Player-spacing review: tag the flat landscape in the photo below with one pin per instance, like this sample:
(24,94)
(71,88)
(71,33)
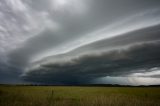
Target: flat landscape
(78,96)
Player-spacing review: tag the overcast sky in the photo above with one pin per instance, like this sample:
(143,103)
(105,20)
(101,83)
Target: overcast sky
(80,41)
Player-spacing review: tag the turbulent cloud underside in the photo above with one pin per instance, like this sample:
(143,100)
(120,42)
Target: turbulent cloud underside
(80,41)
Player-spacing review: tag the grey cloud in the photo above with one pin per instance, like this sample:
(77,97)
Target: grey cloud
(112,63)
(38,44)
(108,57)
(32,29)
(138,36)
(9,74)
(72,27)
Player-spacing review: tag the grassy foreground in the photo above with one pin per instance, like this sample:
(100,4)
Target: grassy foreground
(78,96)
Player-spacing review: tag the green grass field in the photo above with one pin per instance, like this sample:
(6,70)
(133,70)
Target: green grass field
(78,96)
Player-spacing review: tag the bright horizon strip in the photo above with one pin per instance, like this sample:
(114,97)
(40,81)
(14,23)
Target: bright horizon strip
(127,80)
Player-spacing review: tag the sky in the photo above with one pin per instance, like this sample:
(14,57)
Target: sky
(80,42)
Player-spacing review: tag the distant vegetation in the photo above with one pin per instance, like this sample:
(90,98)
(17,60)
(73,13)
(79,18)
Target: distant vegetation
(78,96)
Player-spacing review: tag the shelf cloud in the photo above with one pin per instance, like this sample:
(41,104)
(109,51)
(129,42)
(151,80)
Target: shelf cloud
(119,60)
(74,42)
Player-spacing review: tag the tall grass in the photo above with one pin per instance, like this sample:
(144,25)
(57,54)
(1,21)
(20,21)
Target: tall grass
(78,96)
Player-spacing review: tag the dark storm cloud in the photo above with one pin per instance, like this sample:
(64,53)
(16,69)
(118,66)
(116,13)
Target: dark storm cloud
(73,26)
(112,63)
(118,56)
(66,29)
(9,74)
(38,44)
(138,36)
